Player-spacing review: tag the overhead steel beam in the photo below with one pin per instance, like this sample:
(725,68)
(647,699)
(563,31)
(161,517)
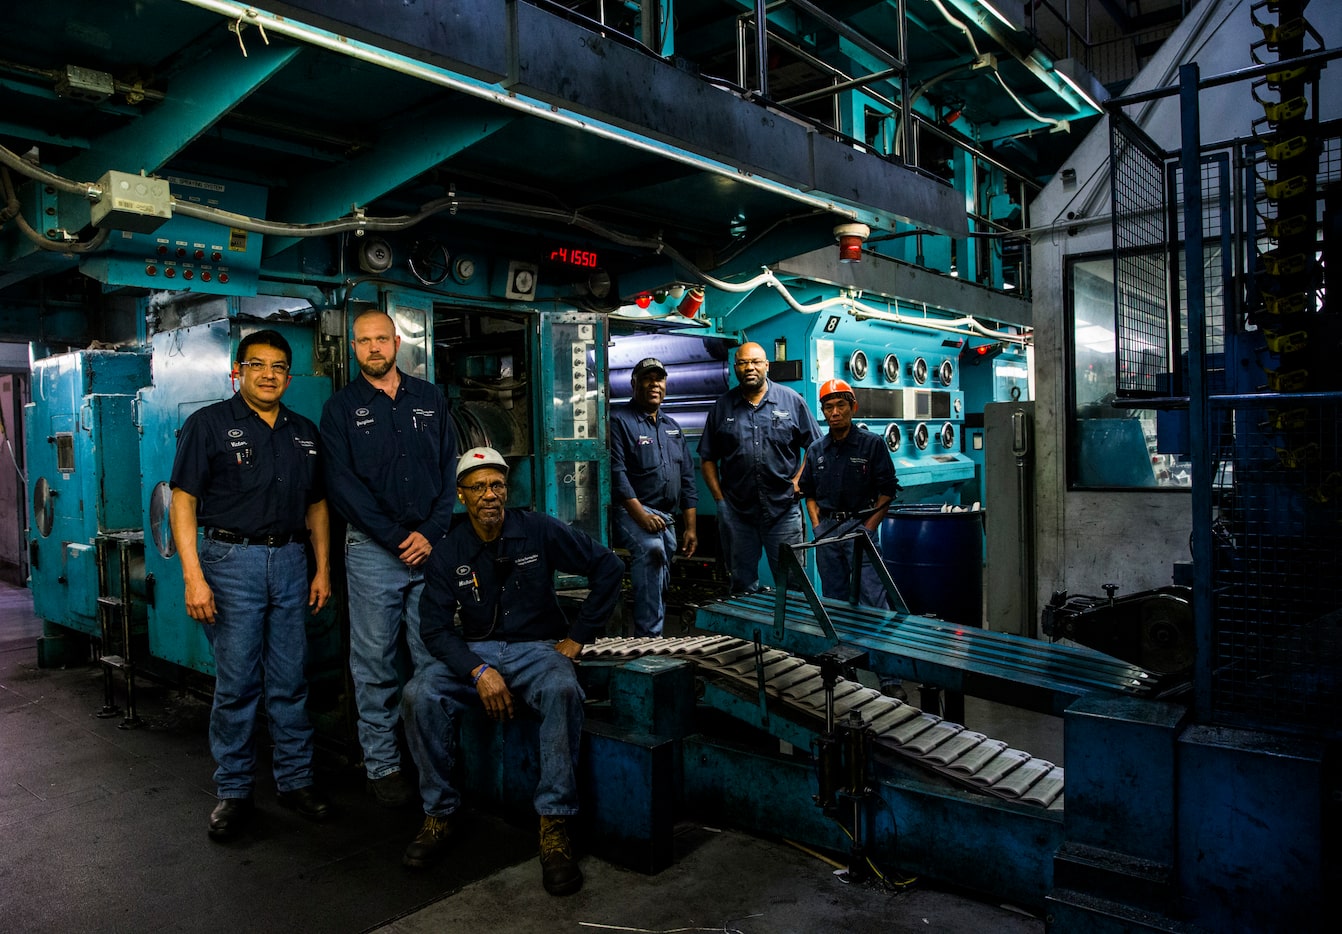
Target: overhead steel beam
(408,149)
(196,99)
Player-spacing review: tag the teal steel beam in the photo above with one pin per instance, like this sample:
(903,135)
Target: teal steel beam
(195,101)
(409,149)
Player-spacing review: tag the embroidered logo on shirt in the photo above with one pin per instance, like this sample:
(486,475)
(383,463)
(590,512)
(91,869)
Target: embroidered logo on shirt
(463,569)
(527,559)
(672,432)
(236,433)
(644,439)
(781,415)
(424,413)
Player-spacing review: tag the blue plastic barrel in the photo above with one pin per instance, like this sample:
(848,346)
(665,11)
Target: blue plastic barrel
(936,560)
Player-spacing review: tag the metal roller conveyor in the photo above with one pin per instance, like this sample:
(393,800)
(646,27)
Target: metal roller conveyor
(970,759)
(998,666)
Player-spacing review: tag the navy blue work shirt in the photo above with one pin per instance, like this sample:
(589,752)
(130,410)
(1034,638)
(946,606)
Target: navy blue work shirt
(504,590)
(391,464)
(650,461)
(247,477)
(847,476)
(757,449)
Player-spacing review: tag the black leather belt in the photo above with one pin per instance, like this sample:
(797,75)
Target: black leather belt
(270,541)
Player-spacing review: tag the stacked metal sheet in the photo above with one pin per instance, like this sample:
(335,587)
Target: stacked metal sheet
(967,757)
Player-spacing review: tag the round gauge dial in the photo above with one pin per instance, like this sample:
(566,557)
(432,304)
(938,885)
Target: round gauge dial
(918,371)
(920,436)
(947,435)
(857,364)
(890,368)
(946,372)
(893,437)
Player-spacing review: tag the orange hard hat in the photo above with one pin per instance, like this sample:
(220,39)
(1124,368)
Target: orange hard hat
(833,387)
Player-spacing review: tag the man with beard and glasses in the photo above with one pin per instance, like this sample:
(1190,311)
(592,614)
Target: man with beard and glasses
(752,449)
(390,461)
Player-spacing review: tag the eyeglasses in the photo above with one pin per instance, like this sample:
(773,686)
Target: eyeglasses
(754,363)
(498,488)
(258,366)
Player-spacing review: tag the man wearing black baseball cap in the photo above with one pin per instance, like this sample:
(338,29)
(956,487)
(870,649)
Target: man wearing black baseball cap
(652,476)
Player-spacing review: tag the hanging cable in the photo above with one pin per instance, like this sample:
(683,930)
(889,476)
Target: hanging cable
(54,246)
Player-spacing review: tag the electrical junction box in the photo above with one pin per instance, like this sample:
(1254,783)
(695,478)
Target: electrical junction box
(185,253)
(85,84)
(139,203)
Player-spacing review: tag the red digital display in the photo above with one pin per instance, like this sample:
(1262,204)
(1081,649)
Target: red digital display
(574,256)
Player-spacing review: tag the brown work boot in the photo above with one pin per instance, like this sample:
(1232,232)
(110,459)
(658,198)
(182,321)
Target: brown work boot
(559,868)
(432,840)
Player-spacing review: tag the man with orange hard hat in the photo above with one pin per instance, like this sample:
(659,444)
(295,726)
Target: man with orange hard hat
(849,482)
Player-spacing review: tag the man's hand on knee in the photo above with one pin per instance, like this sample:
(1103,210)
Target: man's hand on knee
(494,694)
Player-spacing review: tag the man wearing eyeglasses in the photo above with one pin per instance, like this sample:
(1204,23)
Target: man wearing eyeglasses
(514,648)
(248,469)
(751,450)
(390,456)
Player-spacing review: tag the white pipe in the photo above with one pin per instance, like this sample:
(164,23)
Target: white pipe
(242,14)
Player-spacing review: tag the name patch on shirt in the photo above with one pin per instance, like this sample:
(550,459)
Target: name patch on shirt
(672,432)
(424,413)
(527,559)
(781,415)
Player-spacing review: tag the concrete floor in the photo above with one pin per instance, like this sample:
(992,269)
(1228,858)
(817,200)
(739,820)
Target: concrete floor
(104,830)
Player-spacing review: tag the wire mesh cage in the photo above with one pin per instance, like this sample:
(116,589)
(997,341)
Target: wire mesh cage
(1277,591)
(1141,266)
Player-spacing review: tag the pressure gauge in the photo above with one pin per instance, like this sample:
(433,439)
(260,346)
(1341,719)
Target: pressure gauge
(920,436)
(890,368)
(946,372)
(463,270)
(893,437)
(918,371)
(947,435)
(857,365)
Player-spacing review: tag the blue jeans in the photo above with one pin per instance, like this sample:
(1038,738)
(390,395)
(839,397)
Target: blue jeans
(649,568)
(260,644)
(834,564)
(383,609)
(744,536)
(539,677)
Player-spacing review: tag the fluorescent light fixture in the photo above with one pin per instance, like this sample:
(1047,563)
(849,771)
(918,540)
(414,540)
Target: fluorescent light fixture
(1076,77)
(1095,337)
(1003,18)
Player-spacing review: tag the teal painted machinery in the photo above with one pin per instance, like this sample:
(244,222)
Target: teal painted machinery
(191,368)
(83,472)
